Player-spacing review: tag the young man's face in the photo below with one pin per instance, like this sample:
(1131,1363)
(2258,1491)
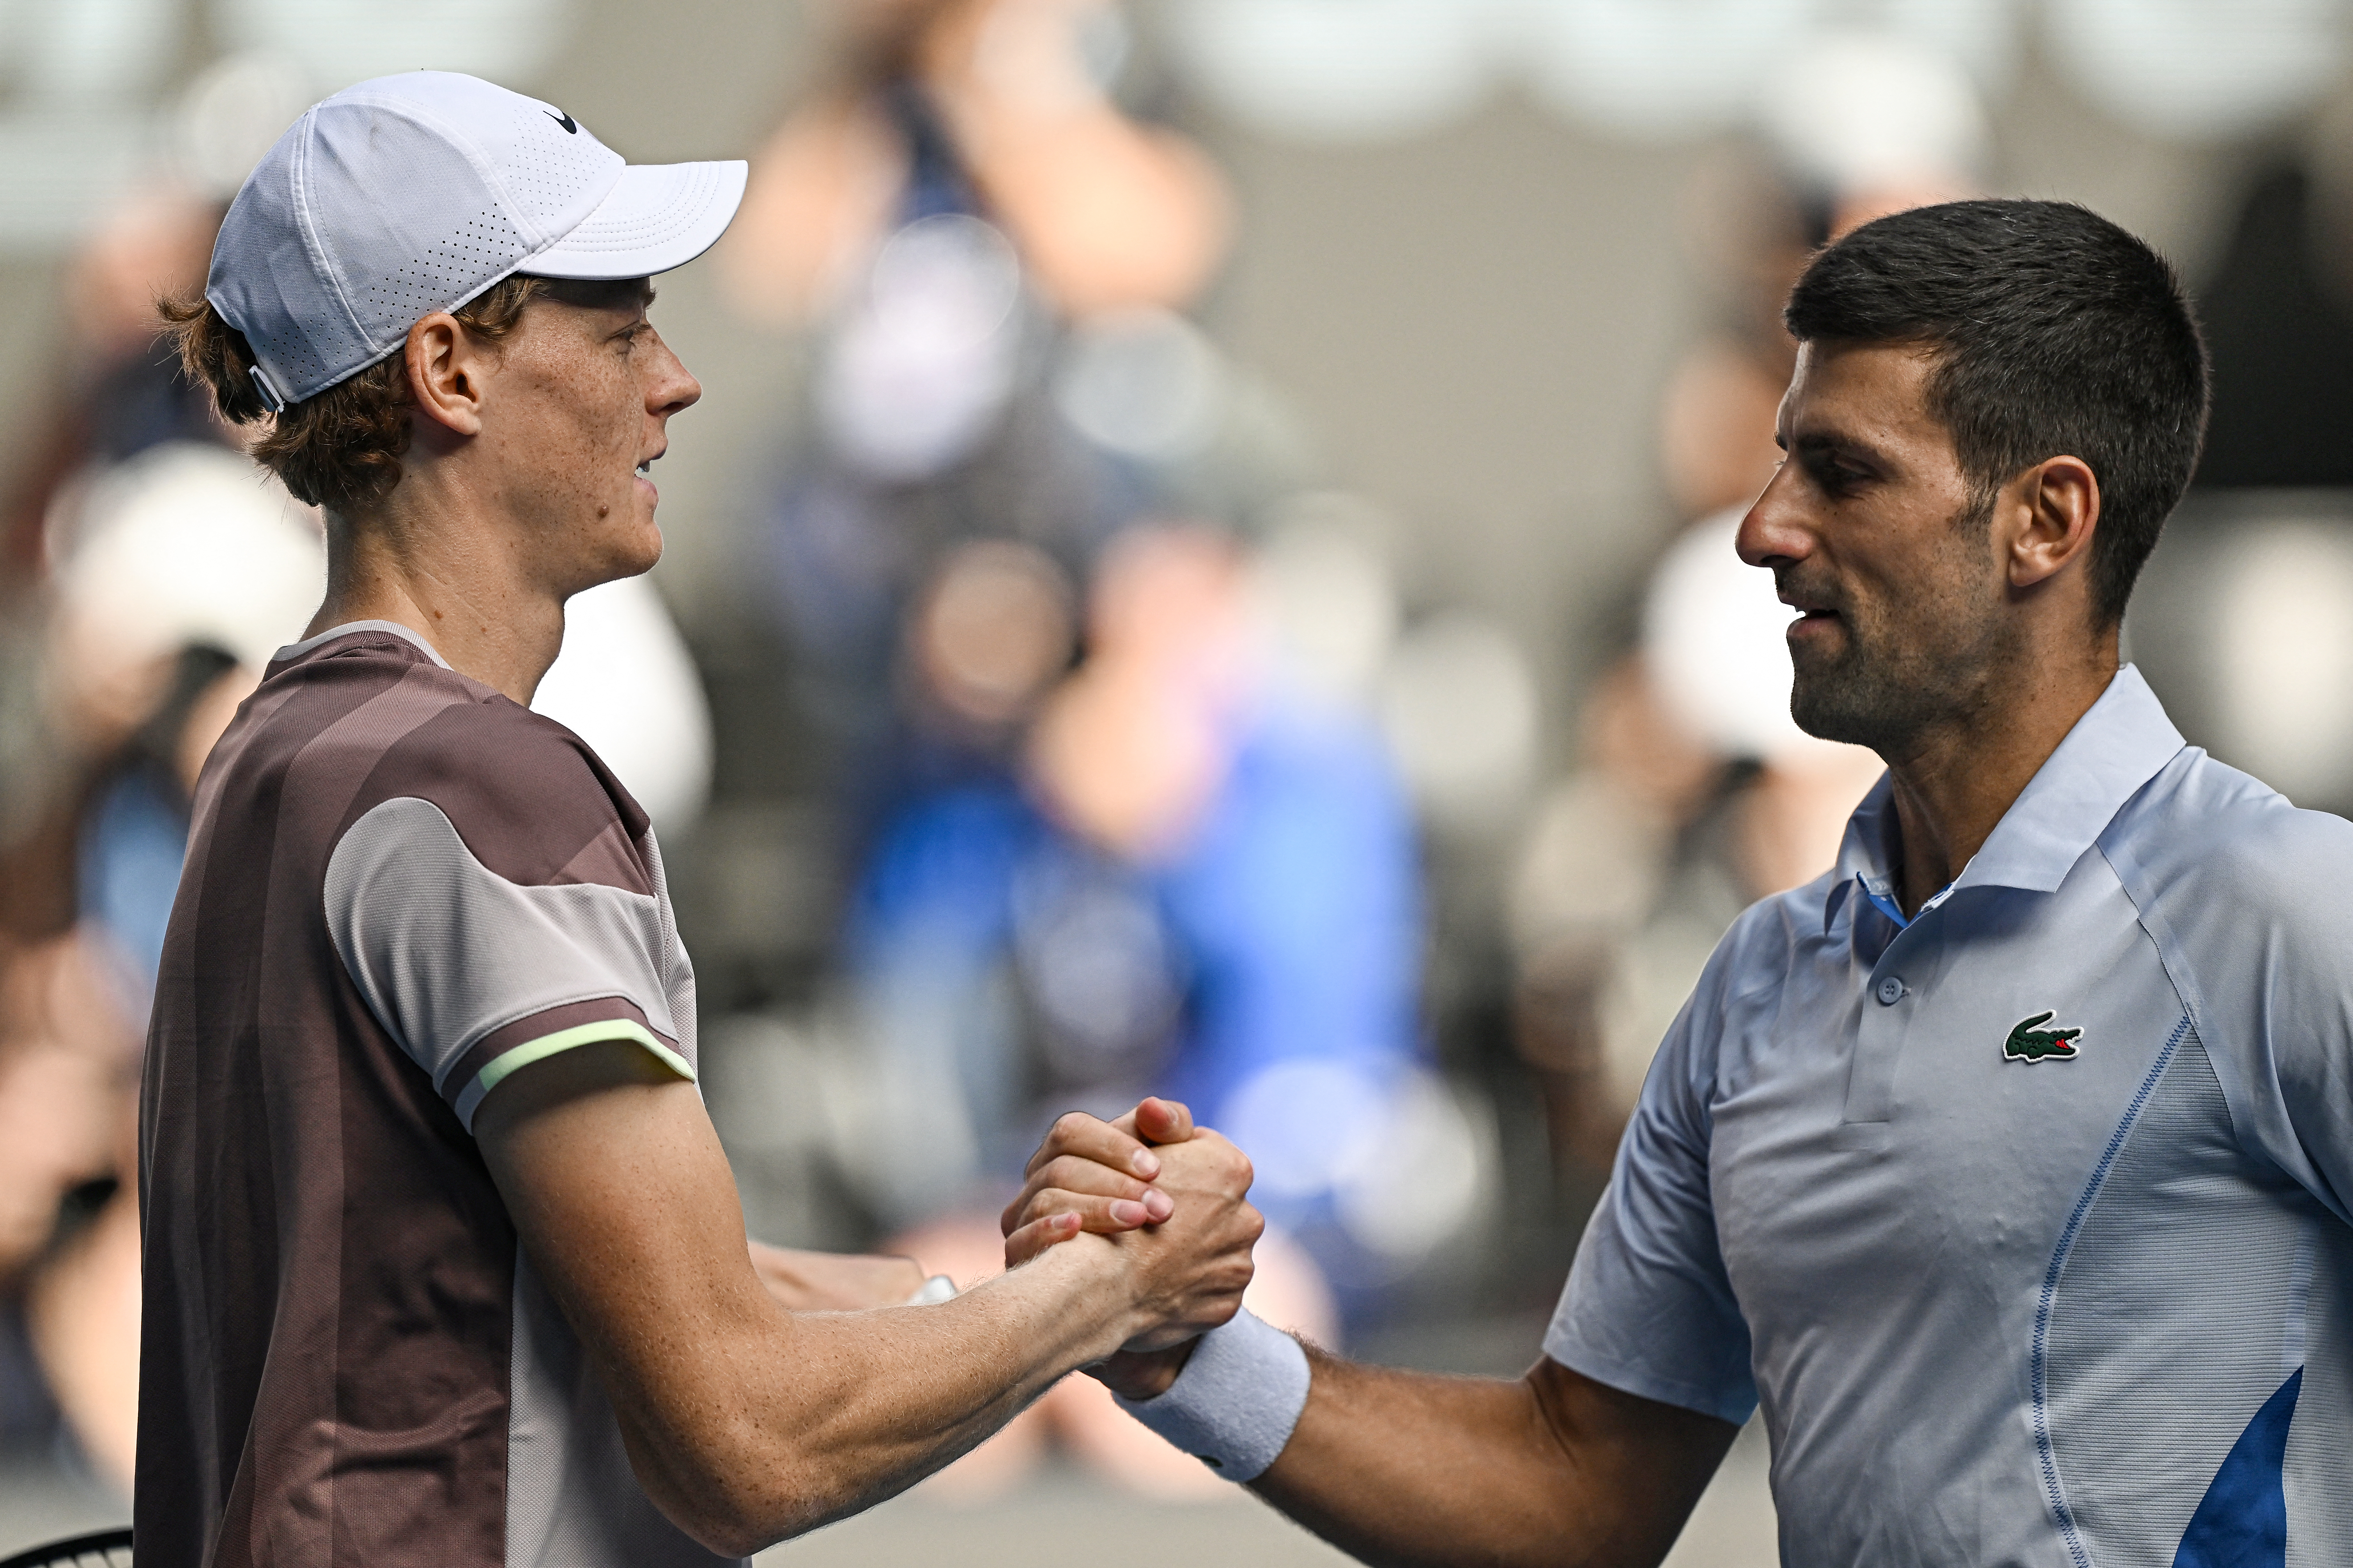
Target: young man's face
(1873,534)
(580,403)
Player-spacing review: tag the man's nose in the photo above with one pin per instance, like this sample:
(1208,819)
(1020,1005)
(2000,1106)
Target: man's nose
(672,386)
(1771,530)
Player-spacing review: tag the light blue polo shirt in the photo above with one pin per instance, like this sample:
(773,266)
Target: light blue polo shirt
(2026,1223)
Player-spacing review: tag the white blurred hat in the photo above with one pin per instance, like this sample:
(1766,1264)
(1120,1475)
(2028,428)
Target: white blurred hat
(1715,636)
(413,193)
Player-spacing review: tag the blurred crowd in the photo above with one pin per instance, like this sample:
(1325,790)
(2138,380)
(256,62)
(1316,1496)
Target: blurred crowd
(1097,731)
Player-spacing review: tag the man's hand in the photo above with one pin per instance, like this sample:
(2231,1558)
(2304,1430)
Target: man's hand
(1192,1267)
(834,1281)
(1106,1178)
(1095,1175)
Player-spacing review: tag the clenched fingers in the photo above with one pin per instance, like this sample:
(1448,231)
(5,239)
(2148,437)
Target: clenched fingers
(1096,1212)
(1075,1134)
(1116,1202)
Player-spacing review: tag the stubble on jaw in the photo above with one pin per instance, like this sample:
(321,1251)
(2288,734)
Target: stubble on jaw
(1913,664)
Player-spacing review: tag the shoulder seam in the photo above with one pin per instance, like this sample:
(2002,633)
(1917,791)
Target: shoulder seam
(2176,964)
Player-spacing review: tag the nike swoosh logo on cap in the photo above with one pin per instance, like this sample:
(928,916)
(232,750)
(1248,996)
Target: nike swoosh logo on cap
(562,119)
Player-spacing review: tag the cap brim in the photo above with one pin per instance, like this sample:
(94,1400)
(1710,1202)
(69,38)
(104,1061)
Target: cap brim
(658,216)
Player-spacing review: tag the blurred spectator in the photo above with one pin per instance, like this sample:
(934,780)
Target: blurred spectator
(1198,879)
(1854,124)
(69,1081)
(1163,870)
(116,391)
(987,249)
(72,1011)
(69,1060)
(105,600)
(1199,883)
(2278,316)
(1696,796)
(135,836)
(973,106)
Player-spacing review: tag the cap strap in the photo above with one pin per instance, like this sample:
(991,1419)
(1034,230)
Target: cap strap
(269,392)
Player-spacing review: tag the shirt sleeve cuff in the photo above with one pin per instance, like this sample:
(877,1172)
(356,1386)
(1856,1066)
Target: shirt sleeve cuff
(1234,1405)
(498,1054)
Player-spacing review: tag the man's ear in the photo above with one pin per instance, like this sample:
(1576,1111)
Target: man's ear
(2057,508)
(446,370)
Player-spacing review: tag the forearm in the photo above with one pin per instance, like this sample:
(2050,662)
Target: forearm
(746,1421)
(1399,1468)
(791,1420)
(1407,1468)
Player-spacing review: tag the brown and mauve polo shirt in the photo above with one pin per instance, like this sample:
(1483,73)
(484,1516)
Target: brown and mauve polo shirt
(401,887)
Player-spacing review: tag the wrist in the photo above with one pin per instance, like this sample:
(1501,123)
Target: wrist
(1236,1401)
(1088,1271)
(1139,1375)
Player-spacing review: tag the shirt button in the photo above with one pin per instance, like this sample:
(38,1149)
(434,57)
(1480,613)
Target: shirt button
(1891,990)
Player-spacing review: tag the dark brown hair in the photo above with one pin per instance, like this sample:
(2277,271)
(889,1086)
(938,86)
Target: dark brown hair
(340,448)
(2054,331)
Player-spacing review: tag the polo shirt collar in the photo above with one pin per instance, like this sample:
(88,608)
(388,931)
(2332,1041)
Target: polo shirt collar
(2121,742)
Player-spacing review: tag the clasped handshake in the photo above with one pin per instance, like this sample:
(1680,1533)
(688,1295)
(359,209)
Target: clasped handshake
(1166,1203)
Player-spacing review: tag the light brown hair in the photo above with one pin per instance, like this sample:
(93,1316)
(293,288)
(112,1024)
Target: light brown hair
(340,448)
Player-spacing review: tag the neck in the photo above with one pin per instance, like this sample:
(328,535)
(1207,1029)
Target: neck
(432,559)
(1954,783)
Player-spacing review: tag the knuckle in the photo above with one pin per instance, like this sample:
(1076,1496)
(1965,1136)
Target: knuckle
(1068,1170)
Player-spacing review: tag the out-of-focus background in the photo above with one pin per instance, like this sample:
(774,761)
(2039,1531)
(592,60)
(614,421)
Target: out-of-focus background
(1203,567)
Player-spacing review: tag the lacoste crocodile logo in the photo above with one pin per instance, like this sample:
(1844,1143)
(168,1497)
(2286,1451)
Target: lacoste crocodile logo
(2030,1042)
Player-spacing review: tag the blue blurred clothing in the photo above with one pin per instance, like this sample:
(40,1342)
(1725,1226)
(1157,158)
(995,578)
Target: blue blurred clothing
(131,848)
(1286,929)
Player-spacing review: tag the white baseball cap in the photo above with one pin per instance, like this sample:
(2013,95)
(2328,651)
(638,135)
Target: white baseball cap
(413,193)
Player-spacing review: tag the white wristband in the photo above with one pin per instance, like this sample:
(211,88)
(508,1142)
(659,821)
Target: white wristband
(1235,1403)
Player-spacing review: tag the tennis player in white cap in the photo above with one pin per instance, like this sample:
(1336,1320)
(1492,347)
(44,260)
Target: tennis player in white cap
(444,1265)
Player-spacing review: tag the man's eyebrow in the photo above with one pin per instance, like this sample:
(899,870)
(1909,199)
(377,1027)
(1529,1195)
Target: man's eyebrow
(1833,441)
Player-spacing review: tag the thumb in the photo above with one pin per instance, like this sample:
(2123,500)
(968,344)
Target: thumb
(1163,1121)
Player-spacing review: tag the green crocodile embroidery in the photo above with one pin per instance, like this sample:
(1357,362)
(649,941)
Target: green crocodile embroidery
(2030,1042)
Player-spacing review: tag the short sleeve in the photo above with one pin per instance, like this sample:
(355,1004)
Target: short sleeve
(475,975)
(2256,926)
(1648,1308)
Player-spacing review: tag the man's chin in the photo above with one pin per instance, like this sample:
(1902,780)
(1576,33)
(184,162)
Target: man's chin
(633,561)
(642,553)
(1881,716)
(1824,709)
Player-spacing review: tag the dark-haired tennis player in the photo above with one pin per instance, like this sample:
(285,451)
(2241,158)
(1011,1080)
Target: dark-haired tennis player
(2008,1167)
